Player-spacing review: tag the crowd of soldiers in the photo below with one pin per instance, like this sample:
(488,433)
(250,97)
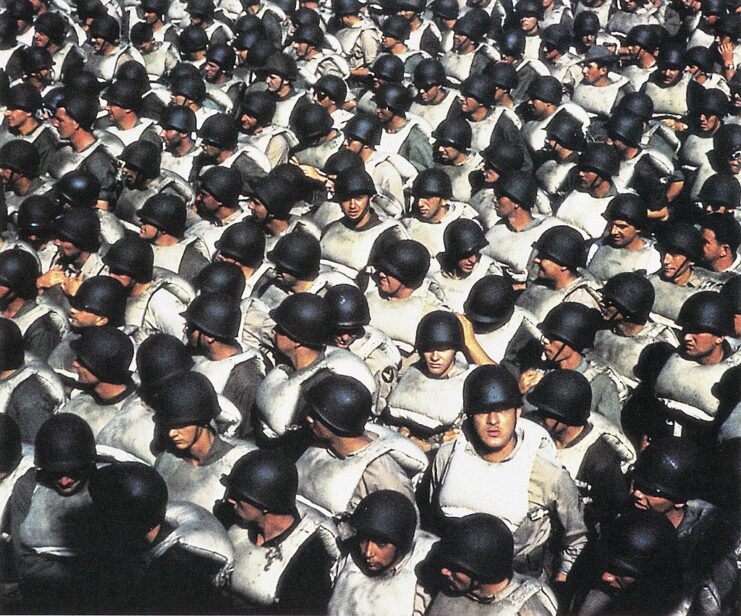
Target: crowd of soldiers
(365,308)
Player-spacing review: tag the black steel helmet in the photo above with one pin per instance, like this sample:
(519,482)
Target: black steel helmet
(192,39)
(78,187)
(572,323)
(585,23)
(455,132)
(158,359)
(221,277)
(520,186)
(53,26)
(298,254)
(490,301)
(445,9)
(556,36)
(502,75)
(512,42)
(638,103)
(479,86)
(395,96)
(429,72)
(64,443)
(144,157)
(244,242)
(223,183)
(11,345)
(129,498)
(473,24)
(20,156)
(103,296)
(340,402)
(352,183)
(563,245)
(503,157)
(490,388)
(710,102)
(348,307)
(628,207)
(186,399)
(564,395)
(732,292)
(342,160)
(223,56)
(707,311)
(24,97)
(310,123)
(155,6)
(305,318)
(125,94)
(259,105)
(640,544)
(463,238)
(682,239)
(701,57)
(389,68)
(396,27)
(220,130)
(277,194)
(105,27)
(80,227)
(266,479)
(201,8)
(480,545)
(106,352)
(386,516)
(626,127)
(365,128)
(432,182)
(37,215)
(11,448)
(547,89)
(439,330)
(600,158)
(343,8)
(281,64)
(645,36)
(566,130)
(632,294)
(214,314)
(727,141)
(191,88)
(131,256)
(18,272)
(166,212)
(671,56)
(332,86)
(721,190)
(406,260)
(669,467)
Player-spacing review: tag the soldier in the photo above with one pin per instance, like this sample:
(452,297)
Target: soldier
(190,91)
(317,137)
(684,383)
(594,188)
(424,34)
(222,87)
(19,173)
(680,246)
(35,226)
(351,330)
(379,572)
(402,294)
(212,326)
(637,572)
(563,142)
(358,36)
(160,56)
(625,248)
(154,303)
(103,356)
(511,44)
(202,15)
(280,74)
(427,402)
(722,158)
(470,54)
(473,562)
(492,440)
(594,451)
(314,59)
(511,239)
(434,99)
(495,330)
(707,109)
(347,461)
(330,92)
(178,129)
(50,33)
(402,134)
(719,194)
(722,235)
(147,543)
(395,31)
(31,392)
(627,299)
(555,40)
(51,563)
(104,35)
(642,44)
(243,244)
(257,128)
(665,479)
(667,86)
(73,120)
(545,95)
(195,455)
(124,103)
(454,155)
(23,105)
(360,226)
(301,333)
(560,258)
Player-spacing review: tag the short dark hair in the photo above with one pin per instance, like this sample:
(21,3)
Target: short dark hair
(726,228)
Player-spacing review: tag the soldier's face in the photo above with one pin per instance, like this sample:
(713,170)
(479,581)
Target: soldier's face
(460,42)
(622,233)
(244,510)
(259,211)
(457,580)
(274,82)
(322,433)
(439,363)
(16,117)
(69,482)
(171,138)
(466,264)
(504,206)
(469,104)
(711,249)
(211,71)
(150,17)
(697,345)
(40,40)
(496,429)
(430,208)
(708,123)
(345,338)
(547,269)
(554,426)
(65,124)
(646,501)
(378,556)
(528,23)
(670,76)
(355,208)
(429,93)
(84,375)
(588,179)
(673,265)
(556,350)
(592,73)
(80,319)
(97,43)
(387,284)
(67,249)
(353,145)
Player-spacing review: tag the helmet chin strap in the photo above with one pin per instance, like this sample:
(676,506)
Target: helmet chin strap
(680,270)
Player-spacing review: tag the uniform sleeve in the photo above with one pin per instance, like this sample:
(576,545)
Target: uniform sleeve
(384,473)
(31,404)
(370,43)
(41,338)
(192,263)
(542,603)
(103,168)
(241,389)
(306,585)
(163,314)
(417,150)
(606,398)
(570,513)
